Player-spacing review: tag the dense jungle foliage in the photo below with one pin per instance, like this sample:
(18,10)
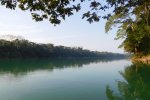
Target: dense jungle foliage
(132,17)
(23,48)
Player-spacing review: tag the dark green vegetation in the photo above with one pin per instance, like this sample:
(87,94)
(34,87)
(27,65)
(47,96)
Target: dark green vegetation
(134,28)
(131,16)
(25,49)
(136,85)
(56,10)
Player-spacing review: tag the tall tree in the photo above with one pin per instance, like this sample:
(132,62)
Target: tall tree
(131,16)
(134,28)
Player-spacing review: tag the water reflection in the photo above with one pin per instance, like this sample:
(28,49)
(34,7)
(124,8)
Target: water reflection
(22,66)
(58,79)
(136,85)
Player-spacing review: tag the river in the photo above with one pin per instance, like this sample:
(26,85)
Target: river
(73,79)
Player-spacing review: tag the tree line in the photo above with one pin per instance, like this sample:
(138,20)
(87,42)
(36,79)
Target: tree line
(26,49)
(132,17)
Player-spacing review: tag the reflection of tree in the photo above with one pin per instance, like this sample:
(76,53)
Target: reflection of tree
(20,66)
(136,86)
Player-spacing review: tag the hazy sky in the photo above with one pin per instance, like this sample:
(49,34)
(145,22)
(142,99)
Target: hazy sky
(72,32)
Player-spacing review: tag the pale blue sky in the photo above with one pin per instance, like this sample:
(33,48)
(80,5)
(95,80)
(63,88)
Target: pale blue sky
(72,32)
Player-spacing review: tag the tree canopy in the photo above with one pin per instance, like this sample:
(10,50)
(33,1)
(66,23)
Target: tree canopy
(56,10)
(134,27)
(131,16)
(26,49)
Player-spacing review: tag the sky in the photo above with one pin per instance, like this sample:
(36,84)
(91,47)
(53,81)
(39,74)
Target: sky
(73,32)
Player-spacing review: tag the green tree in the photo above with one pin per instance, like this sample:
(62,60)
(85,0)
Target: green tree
(131,16)
(56,10)
(26,49)
(134,28)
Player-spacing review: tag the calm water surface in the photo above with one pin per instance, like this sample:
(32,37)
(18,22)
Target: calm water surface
(73,80)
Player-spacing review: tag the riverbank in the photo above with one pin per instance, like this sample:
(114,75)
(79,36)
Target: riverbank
(26,49)
(144,59)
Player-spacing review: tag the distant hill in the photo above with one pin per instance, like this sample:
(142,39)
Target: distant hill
(20,48)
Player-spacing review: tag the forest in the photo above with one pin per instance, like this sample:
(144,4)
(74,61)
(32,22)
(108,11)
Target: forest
(26,49)
(130,17)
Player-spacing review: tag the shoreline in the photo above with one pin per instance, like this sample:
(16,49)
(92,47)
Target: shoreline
(144,59)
